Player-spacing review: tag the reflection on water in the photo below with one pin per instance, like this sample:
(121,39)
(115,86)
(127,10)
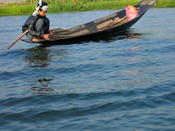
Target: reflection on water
(126,34)
(41,86)
(38,57)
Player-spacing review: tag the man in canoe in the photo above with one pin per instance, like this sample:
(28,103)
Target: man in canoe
(38,24)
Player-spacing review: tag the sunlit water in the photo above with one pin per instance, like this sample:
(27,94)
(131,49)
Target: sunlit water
(124,82)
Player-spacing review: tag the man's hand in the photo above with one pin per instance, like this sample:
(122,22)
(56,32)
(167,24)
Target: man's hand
(51,32)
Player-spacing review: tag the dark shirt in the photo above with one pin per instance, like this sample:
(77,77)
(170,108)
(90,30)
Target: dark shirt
(30,25)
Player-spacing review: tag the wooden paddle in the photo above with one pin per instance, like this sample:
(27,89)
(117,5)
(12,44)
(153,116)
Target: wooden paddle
(17,39)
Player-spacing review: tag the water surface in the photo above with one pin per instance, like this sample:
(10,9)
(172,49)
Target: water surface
(123,82)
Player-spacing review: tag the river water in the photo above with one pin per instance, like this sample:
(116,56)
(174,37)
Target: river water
(123,82)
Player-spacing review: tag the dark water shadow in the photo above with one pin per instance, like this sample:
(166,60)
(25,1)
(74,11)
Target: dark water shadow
(38,60)
(38,57)
(41,56)
(126,34)
(41,85)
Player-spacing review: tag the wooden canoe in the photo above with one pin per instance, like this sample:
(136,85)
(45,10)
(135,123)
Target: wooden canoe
(113,23)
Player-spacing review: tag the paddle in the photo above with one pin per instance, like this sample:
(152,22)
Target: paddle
(17,39)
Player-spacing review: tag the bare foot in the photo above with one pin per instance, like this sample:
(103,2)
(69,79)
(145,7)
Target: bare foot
(37,39)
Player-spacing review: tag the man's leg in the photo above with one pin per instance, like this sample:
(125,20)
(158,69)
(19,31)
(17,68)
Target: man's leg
(40,25)
(39,28)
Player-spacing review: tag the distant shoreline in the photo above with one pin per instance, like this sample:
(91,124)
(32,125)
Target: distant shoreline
(23,8)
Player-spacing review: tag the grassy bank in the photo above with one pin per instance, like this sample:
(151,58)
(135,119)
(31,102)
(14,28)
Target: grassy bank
(75,5)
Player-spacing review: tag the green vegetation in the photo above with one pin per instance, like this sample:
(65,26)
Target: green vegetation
(165,3)
(56,6)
